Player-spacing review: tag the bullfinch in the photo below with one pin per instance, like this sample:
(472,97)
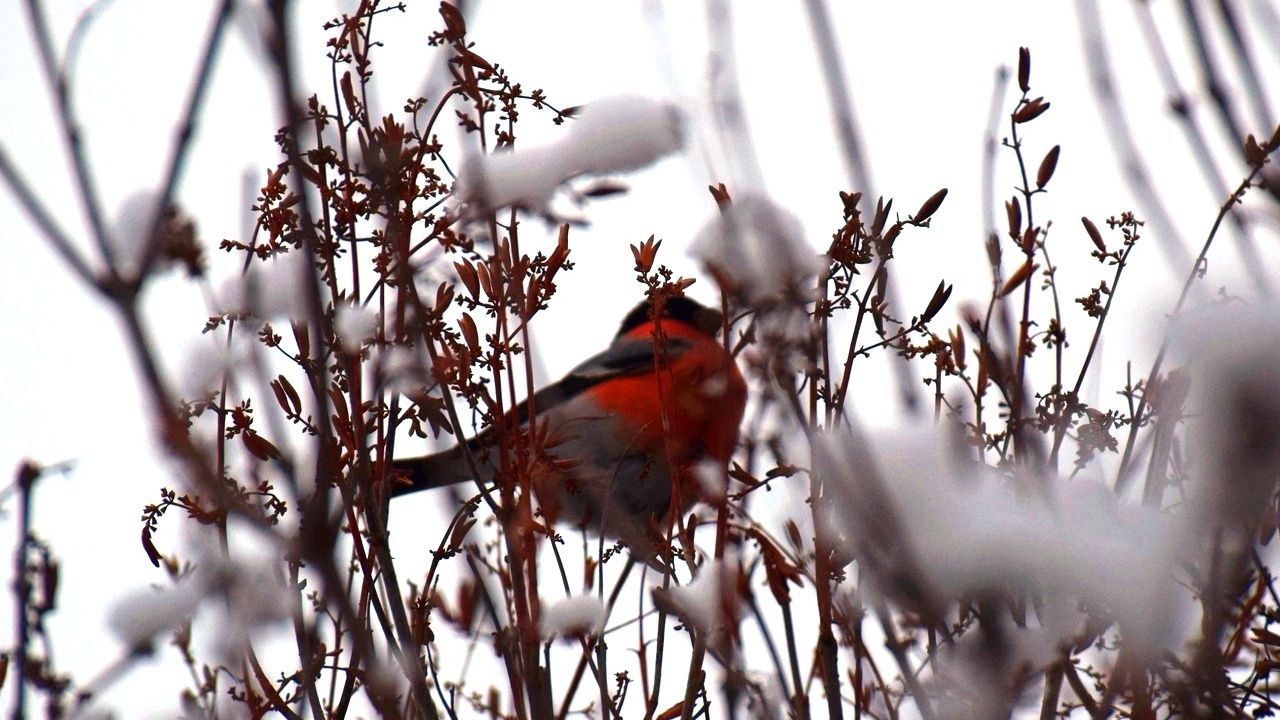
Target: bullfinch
(626,431)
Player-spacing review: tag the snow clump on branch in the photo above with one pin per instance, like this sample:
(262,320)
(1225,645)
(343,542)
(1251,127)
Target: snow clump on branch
(612,135)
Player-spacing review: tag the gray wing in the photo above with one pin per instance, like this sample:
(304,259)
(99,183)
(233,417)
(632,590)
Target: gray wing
(626,356)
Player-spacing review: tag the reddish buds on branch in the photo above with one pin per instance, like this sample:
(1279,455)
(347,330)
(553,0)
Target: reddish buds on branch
(1028,240)
(1031,110)
(1253,152)
(721,195)
(1013,210)
(560,254)
(645,253)
(1094,235)
(850,201)
(470,279)
(1047,166)
(930,206)
(881,217)
(1017,278)
(259,446)
(444,297)
(957,346)
(455,27)
(891,234)
(470,334)
(349,96)
(940,297)
(1024,69)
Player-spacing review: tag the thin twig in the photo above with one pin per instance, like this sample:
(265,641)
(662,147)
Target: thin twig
(60,88)
(1061,429)
(182,141)
(990,144)
(38,214)
(314,545)
(1185,111)
(26,477)
(1098,60)
(1138,417)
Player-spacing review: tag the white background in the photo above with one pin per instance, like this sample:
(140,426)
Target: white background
(920,74)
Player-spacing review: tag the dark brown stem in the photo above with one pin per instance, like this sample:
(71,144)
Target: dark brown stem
(837,403)
(182,141)
(694,681)
(315,531)
(1082,692)
(827,655)
(1185,112)
(1052,690)
(909,677)
(53,234)
(1019,406)
(1138,417)
(799,700)
(1098,60)
(25,481)
(59,88)
(1061,430)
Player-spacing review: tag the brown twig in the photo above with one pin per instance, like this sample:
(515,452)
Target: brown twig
(1101,76)
(1138,418)
(1185,111)
(58,85)
(25,479)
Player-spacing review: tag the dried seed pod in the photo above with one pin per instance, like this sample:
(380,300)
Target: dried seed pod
(469,277)
(1031,110)
(1047,166)
(939,299)
(721,195)
(930,206)
(1094,235)
(470,334)
(1253,152)
(1013,210)
(1017,278)
(1024,69)
(957,346)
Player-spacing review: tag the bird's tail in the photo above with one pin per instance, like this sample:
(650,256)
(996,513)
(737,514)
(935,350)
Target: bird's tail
(442,468)
(452,466)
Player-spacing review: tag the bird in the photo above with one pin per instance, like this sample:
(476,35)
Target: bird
(625,433)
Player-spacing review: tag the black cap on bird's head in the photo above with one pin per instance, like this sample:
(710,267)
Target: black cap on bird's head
(678,308)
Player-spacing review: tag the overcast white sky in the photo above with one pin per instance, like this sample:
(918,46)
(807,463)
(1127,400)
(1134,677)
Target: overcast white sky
(920,73)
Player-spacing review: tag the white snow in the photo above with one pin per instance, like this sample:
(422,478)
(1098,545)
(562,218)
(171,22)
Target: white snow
(703,604)
(524,178)
(128,233)
(276,288)
(140,616)
(622,134)
(403,369)
(711,479)
(760,246)
(255,601)
(1233,356)
(355,325)
(611,135)
(942,528)
(575,615)
(251,597)
(205,361)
